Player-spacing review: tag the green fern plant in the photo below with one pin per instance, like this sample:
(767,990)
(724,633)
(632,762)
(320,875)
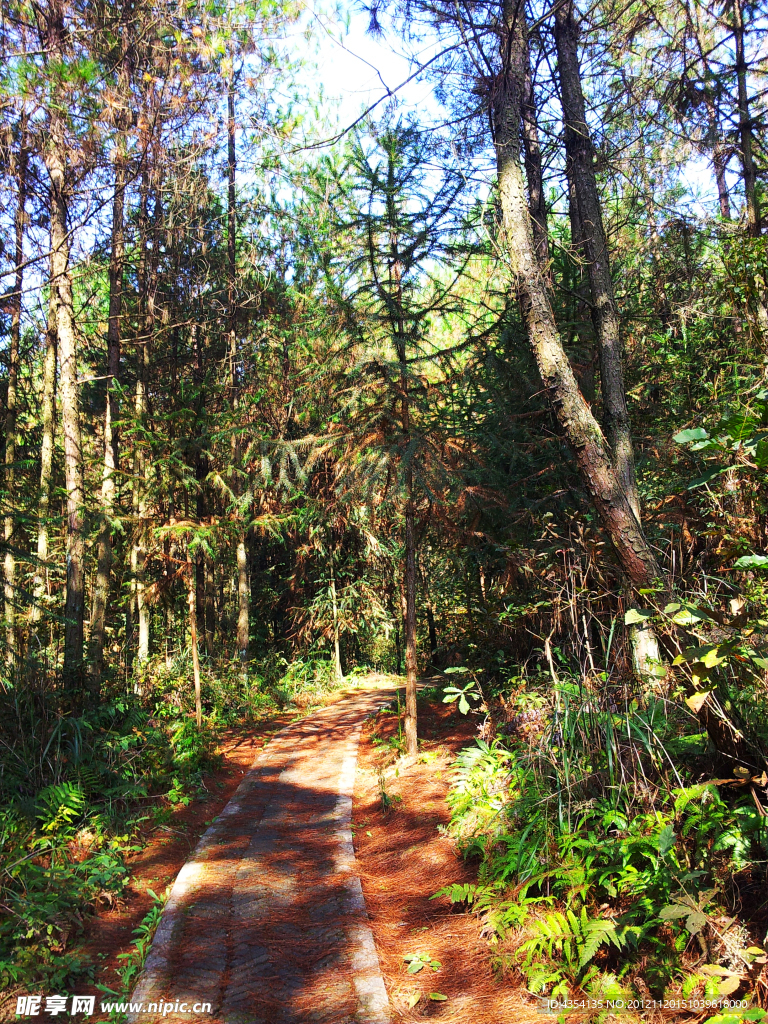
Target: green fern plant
(60,805)
(562,948)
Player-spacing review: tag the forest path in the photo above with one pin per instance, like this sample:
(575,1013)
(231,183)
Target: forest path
(266,921)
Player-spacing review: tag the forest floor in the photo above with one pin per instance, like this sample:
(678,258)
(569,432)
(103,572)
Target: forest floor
(403,859)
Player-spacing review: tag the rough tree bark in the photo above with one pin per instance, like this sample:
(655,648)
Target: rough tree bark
(55,156)
(40,585)
(243,589)
(111,413)
(147,281)
(411,671)
(22,162)
(112,410)
(749,172)
(533,172)
(579,426)
(580,169)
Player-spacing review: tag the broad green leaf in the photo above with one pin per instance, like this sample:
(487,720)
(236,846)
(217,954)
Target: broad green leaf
(688,616)
(673,912)
(634,615)
(707,477)
(713,657)
(692,434)
(438,997)
(666,840)
(751,562)
(695,922)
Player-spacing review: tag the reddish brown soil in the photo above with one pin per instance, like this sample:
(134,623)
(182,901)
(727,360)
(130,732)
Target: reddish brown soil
(404,860)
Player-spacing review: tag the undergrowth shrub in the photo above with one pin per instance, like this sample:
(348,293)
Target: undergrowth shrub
(80,790)
(606,852)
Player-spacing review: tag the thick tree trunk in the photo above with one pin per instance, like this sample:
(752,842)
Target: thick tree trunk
(411,737)
(40,585)
(574,415)
(411,724)
(243,590)
(533,172)
(749,172)
(147,279)
(11,401)
(111,413)
(580,169)
(61,284)
(243,601)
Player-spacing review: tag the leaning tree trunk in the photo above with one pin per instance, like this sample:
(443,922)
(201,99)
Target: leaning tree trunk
(55,155)
(11,400)
(574,415)
(579,426)
(580,169)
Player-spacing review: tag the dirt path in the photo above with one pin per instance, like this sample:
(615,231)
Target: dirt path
(266,922)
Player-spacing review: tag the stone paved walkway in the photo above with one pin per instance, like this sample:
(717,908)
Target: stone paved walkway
(266,921)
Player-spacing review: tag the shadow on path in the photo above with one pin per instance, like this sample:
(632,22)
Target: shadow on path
(266,922)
